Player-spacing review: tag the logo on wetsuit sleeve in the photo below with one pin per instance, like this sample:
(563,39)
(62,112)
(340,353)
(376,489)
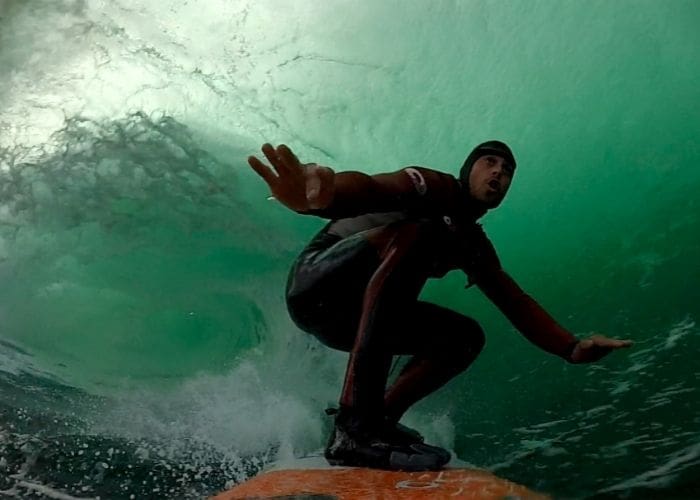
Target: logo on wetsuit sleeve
(418,180)
(448,222)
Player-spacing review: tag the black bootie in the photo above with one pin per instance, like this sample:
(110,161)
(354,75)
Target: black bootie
(358,442)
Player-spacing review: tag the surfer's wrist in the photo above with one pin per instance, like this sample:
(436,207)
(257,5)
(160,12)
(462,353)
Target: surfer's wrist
(569,351)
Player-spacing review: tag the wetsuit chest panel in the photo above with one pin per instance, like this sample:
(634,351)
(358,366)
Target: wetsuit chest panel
(443,246)
(447,244)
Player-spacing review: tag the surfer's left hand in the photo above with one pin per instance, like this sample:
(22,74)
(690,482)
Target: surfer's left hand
(596,347)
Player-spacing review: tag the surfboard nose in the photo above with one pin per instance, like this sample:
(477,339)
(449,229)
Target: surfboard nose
(311,480)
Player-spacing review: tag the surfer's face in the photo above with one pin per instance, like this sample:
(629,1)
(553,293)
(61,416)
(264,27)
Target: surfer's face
(489,180)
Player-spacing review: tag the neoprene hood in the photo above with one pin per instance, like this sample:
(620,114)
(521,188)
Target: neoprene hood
(497,148)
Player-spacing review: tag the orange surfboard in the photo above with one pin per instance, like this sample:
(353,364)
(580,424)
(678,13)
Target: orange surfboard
(314,481)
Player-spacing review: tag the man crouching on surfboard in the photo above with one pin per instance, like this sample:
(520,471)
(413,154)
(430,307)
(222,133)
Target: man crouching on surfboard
(356,285)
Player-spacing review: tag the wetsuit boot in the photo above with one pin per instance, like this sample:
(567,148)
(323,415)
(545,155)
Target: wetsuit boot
(400,434)
(359,443)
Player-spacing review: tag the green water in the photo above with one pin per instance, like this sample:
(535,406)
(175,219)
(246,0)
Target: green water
(142,268)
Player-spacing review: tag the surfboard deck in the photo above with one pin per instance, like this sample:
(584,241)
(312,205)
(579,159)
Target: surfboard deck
(310,479)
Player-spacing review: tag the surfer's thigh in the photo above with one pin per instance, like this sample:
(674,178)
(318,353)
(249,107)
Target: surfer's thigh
(326,287)
(433,331)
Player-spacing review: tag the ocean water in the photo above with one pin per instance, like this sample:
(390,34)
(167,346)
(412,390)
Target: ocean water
(145,351)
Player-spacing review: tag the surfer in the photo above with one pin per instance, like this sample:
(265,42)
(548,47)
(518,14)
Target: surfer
(356,286)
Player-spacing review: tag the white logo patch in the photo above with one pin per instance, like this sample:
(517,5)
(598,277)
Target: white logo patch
(418,180)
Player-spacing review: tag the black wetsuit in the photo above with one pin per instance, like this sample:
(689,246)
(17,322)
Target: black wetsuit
(360,296)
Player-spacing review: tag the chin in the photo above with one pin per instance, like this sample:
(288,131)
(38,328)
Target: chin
(492,203)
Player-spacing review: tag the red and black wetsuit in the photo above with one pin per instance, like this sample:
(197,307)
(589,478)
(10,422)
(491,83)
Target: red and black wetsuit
(356,286)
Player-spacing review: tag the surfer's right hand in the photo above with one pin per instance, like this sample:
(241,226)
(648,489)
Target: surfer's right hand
(301,187)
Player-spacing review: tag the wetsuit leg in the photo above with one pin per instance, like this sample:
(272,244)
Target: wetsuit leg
(394,286)
(444,344)
(356,297)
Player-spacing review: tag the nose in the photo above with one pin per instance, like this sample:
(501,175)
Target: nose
(497,170)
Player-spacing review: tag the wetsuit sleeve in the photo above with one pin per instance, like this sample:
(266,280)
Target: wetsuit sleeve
(418,189)
(526,314)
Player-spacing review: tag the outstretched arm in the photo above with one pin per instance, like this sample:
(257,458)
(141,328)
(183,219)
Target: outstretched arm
(538,326)
(313,189)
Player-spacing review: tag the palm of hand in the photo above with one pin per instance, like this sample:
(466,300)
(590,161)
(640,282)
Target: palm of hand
(298,186)
(596,347)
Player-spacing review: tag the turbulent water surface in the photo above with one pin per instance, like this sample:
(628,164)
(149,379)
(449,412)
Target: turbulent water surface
(145,350)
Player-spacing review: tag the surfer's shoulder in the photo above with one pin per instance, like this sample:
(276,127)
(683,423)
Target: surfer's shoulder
(431,181)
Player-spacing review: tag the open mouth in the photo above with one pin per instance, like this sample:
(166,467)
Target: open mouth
(494,184)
